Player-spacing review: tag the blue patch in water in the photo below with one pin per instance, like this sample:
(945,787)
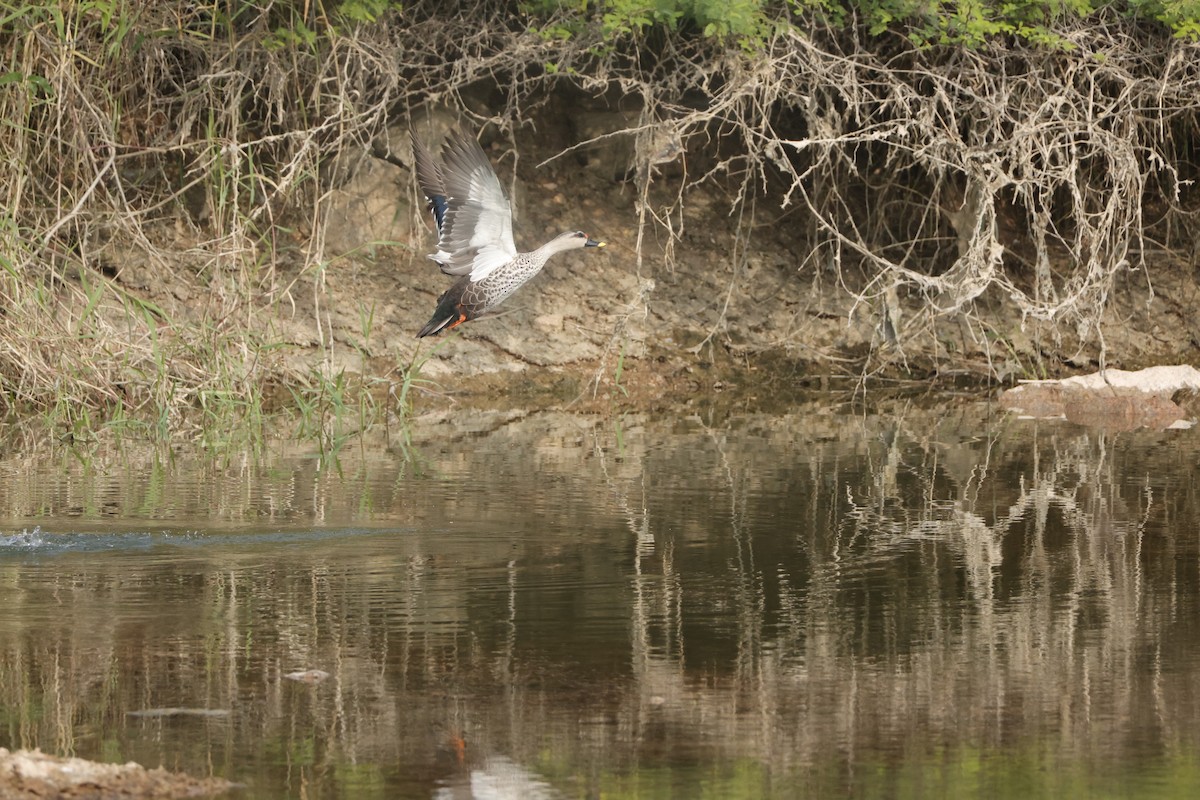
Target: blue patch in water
(25,540)
(39,542)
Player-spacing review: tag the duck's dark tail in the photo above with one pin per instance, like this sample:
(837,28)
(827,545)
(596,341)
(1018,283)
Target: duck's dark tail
(441,323)
(448,314)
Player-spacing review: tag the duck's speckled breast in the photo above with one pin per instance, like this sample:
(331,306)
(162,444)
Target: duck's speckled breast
(503,281)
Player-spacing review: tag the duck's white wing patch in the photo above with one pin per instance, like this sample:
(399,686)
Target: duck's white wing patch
(487,260)
(477,237)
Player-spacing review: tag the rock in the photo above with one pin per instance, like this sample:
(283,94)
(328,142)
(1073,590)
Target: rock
(1114,399)
(549,322)
(34,775)
(375,198)
(1158,380)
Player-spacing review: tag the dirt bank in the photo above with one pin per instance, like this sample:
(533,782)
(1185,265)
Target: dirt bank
(730,310)
(817,204)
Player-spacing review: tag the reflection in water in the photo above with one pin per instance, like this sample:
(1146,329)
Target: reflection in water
(901,605)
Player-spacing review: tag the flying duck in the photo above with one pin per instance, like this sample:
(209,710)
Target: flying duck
(475,240)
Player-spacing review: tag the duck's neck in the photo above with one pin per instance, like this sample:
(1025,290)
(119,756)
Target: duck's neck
(556,245)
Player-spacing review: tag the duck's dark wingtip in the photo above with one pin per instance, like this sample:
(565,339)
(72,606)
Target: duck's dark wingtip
(431,180)
(439,206)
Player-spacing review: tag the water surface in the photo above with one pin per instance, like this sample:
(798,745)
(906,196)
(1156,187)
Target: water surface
(908,603)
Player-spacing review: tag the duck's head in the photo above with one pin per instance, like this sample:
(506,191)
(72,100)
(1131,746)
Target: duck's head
(583,240)
(571,240)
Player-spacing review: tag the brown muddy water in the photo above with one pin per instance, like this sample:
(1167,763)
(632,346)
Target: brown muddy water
(896,603)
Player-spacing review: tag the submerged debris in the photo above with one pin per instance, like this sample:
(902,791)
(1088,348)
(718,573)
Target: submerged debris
(179,712)
(308,676)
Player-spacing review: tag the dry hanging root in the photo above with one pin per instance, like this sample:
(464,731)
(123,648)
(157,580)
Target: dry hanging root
(1020,170)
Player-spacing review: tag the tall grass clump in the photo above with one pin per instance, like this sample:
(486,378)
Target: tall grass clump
(149,148)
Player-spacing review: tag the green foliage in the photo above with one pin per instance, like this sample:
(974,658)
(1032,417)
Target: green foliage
(739,20)
(365,10)
(301,26)
(926,22)
(1182,16)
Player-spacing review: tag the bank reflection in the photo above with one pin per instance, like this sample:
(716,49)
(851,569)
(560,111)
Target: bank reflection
(765,606)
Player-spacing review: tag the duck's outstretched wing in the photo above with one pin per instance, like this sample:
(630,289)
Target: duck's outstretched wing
(476,236)
(433,184)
